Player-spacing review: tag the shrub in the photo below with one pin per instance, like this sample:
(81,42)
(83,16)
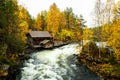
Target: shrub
(4,59)
(15,44)
(90,49)
(104,52)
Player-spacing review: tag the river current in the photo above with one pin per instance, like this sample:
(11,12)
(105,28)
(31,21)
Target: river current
(56,64)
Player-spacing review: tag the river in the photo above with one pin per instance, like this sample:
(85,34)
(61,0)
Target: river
(56,64)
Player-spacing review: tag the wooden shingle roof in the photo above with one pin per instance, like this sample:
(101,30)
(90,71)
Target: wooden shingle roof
(40,34)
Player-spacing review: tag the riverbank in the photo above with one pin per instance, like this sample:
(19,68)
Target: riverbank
(15,69)
(8,71)
(57,44)
(106,70)
(103,63)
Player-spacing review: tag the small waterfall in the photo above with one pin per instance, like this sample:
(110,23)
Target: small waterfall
(56,64)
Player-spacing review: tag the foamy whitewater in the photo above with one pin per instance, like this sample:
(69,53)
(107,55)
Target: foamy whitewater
(56,64)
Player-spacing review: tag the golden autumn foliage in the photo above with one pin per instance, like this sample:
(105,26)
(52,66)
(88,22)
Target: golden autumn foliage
(56,21)
(114,39)
(62,22)
(15,22)
(12,30)
(23,23)
(53,19)
(108,29)
(38,23)
(66,35)
(105,32)
(114,32)
(87,34)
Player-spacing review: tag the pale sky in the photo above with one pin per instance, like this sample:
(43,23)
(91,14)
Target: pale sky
(84,7)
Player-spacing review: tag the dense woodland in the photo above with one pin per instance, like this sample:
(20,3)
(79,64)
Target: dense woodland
(16,22)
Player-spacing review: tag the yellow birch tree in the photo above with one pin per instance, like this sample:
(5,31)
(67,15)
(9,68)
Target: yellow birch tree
(53,19)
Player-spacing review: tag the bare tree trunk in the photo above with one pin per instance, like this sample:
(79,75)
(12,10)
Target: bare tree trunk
(98,15)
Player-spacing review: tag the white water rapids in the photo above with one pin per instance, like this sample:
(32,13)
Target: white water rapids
(56,64)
